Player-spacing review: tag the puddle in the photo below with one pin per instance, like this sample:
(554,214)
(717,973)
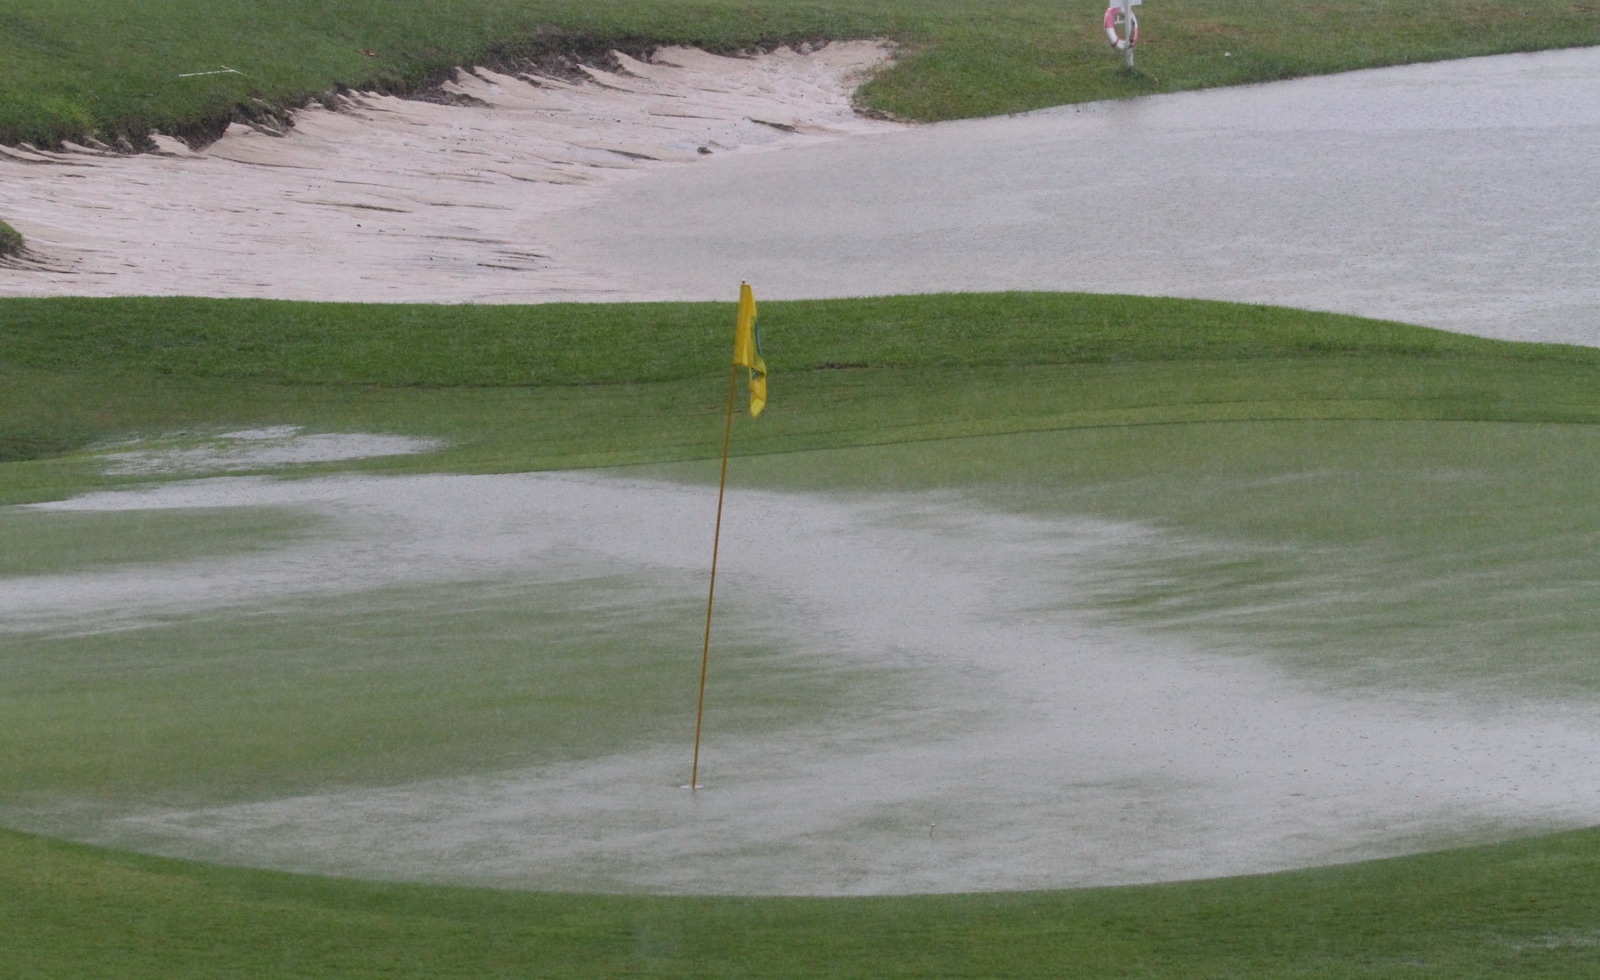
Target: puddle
(1456,195)
(260,449)
(1020,749)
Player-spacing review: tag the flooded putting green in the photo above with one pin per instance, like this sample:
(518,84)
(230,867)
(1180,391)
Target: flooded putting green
(1042,660)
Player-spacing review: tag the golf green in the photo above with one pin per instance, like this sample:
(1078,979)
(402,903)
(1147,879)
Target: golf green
(1050,591)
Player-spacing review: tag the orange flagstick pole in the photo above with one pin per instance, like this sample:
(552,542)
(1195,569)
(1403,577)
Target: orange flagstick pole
(711,594)
(746,354)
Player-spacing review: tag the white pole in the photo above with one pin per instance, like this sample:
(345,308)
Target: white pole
(1127,27)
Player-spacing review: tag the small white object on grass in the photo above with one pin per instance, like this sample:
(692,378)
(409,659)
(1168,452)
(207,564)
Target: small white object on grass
(225,71)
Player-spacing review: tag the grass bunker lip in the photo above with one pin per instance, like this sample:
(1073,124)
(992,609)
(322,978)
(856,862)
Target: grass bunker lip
(962,61)
(10,240)
(458,183)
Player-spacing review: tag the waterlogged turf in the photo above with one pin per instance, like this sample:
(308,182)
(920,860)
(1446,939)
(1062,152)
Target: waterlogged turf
(1240,542)
(376,688)
(36,542)
(1432,555)
(1113,654)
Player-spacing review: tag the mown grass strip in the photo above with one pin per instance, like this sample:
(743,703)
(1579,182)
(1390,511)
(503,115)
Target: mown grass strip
(1523,909)
(571,386)
(961,58)
(290,343)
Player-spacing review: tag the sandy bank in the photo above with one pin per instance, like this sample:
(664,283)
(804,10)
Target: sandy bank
(402,200)
(1457,195)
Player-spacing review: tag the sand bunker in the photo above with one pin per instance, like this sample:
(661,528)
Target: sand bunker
(1022,749)
(401,200)
(1455,195)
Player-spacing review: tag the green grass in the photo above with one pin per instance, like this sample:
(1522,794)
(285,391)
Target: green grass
(377,688)
(1523,909)
(1445,456)
(562,386)
(1378,555)
(10,240)
(420,345)
(1392,555)
(961,57)
(55,543)
(1298,443)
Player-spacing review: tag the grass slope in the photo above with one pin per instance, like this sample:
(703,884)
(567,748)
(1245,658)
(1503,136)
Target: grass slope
(961,57)
(562,386)
(1524,909)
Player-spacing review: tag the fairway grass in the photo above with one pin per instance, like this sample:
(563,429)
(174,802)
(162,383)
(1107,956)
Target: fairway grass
(1522,909)
(566,386)
(960,58)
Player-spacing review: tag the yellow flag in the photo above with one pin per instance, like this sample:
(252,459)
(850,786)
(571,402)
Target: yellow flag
(747,350)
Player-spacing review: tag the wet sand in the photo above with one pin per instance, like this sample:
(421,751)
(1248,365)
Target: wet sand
(396,200)
(1457,195)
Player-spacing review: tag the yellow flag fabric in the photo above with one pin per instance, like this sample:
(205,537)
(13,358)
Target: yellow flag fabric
(747,350)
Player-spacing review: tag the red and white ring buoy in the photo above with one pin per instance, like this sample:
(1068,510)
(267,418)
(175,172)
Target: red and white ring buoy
(1130,34)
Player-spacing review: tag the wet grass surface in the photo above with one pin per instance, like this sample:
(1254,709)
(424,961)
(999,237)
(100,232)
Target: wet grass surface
(1401,555)
(377,688)
(570,386)
(961,58)
(1523,909)
(1273,431)
(33,543)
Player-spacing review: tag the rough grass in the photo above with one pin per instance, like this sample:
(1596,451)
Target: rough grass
(1523,909)
(961,57)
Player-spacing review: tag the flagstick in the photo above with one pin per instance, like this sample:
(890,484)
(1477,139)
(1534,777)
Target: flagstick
(716,544)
